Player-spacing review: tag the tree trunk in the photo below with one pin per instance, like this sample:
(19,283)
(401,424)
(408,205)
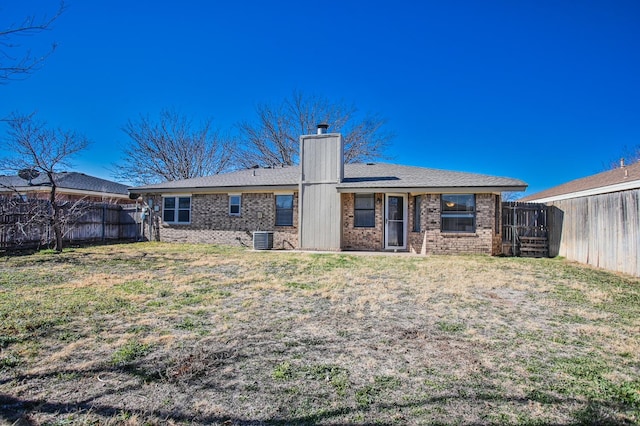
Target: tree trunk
(56,220)
(57,228)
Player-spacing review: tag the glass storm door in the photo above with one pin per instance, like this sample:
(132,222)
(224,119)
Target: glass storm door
(395,230)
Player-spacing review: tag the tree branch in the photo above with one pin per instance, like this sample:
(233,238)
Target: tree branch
(35,146)
(172,148)
(17,65)
(273,139)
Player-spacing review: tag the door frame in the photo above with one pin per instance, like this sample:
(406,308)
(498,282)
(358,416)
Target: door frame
(405,221)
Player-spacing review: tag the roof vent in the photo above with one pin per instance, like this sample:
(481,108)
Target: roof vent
(322,128)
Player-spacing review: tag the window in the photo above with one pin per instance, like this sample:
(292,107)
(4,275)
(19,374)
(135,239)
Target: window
(417,200)
(284,210)
(364,211)
(458,213)
(234,205)
(177,210)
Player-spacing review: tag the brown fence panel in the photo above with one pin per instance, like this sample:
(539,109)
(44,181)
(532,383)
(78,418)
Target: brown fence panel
(96,222)
(129,218)
(17,227)
(524,229)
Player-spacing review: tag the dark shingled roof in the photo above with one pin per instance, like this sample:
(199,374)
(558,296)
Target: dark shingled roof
(379,175)
(281,176)
(69,180)
(626,174)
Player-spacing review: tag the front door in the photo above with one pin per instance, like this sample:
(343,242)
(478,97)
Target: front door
(395,229)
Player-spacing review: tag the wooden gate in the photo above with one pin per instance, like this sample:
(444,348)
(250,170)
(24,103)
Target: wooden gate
(525,229)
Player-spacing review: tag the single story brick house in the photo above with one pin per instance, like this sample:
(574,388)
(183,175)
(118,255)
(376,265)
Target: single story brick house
(324,204)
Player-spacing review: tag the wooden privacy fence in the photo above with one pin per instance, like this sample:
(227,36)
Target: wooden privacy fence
(525,229)
(600,230)
(95,223)
(106,222)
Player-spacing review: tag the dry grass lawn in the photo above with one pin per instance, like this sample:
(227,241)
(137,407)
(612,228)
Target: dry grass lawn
(193,334)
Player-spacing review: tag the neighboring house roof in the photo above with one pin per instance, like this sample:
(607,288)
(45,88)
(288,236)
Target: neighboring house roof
(367,177)
(619,179)
(70,182)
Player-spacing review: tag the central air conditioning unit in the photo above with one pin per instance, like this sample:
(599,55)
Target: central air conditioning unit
(263,240)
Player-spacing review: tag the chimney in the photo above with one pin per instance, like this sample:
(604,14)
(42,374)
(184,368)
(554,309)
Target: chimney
(622,163)
(322,128)
(319,205)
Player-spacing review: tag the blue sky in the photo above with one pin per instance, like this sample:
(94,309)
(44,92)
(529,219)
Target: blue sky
(544,91)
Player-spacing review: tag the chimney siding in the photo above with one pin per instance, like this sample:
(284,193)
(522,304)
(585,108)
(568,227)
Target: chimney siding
(321,170)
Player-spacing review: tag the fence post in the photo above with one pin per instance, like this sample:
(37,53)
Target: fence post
(104,221)
(514,230)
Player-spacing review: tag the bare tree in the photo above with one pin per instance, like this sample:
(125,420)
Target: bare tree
(512,195)
(172,148)
(39,150)
(28,220)
(15,61)
(22,223)
(274,138)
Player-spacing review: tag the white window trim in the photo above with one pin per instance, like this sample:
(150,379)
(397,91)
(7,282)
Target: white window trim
(176,194)
(177,209)
(239,204)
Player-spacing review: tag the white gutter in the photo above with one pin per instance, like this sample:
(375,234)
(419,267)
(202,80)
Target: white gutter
(433,190)
(215,189)
(588,192)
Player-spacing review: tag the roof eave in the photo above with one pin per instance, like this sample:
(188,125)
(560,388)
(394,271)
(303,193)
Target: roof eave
(435,189)
(341,189)
(586,193)
(213,189)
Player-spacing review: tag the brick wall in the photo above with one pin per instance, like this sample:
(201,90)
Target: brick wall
(212,224)
(354,238)
(415,240)
(497,231)
(431,240)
